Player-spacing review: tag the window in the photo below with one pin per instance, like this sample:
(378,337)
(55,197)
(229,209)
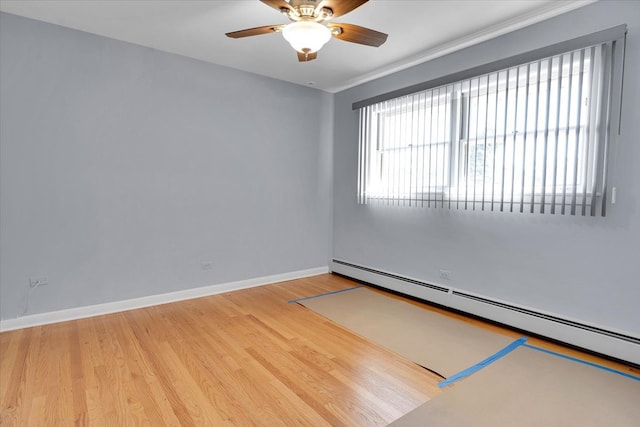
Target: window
(532,137)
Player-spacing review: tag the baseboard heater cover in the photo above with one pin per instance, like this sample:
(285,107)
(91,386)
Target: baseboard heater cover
(596,338)
(395,276)
(549,317)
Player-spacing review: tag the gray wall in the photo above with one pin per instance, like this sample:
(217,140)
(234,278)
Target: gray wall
(123,168)
(587,269)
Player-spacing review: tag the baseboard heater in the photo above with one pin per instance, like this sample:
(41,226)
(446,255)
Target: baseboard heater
(616,344)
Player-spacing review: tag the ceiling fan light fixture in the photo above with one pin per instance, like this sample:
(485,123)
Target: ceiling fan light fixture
(306,36)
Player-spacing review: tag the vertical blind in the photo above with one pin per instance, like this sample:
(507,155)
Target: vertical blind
(532,137)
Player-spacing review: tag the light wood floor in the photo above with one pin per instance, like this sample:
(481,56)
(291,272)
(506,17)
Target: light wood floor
(240,358)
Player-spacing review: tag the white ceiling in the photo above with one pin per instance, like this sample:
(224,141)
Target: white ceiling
(418,31)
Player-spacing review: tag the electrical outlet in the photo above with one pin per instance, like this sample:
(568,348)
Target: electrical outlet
(36,282)
(445,274)
(206,265)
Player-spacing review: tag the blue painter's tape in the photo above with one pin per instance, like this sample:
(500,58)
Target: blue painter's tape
(486,362)
(325,294)
(584,362)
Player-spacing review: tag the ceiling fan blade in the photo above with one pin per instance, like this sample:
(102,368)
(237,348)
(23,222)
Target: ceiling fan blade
(341,7)
(356,34)
(254,31)
(304,57)
(277,4)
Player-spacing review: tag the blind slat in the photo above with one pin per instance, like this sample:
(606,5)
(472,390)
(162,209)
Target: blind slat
(607,132)
(565,169)
(514,139)
(504,142)
(535,138)
(554,177)
(589,132)
(546,137)
(578,136)
(525,137)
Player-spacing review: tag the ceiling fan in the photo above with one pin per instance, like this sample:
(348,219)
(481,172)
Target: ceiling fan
(309,29)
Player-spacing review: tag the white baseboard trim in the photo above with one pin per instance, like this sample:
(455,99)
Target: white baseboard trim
(522,317)
(131,304)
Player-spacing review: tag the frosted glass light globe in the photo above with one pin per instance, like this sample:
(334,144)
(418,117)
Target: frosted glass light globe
(306,36)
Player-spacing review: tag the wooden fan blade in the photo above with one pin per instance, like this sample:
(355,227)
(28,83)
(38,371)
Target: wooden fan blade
(356,34)
(341,7)
(277,4)
(304,57)
(254,31)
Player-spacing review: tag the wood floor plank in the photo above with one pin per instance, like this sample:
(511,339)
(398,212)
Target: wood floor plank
(77,379)
(143,331)
(37,412)
(58,392)
(289,381)
(244,358)
(12,352)
(31,375)
(188,387)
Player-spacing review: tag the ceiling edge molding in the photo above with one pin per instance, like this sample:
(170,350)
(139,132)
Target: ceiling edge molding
(522,21)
